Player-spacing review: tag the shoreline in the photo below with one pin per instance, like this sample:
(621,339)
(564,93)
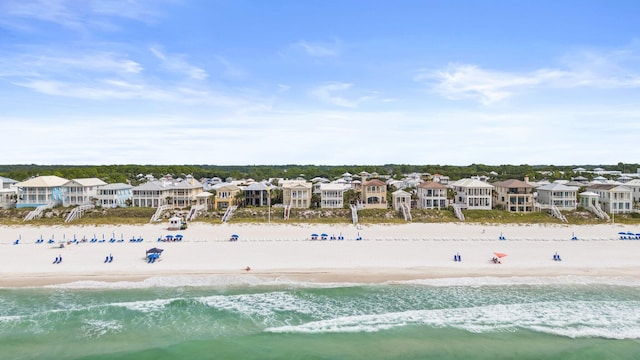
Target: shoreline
(386,253)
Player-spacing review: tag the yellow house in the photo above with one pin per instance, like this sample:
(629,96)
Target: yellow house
(296,193)
(374,194)
(225,196)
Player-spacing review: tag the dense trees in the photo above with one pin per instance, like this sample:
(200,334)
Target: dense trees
(133,173)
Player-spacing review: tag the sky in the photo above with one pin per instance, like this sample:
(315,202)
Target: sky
(331,82)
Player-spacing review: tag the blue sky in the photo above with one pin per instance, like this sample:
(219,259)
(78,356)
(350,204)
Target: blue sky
(319,82)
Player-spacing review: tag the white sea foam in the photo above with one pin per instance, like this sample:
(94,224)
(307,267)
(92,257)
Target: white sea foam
(617,320)
(197,281)
(524,280)
(263,304)
(145,306)
(93,328)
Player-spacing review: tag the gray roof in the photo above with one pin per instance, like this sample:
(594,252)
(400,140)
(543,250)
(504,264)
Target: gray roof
(557,187)
(5,180)
(116,186)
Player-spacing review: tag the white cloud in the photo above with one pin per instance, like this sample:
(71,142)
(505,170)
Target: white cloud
(82,16)
(319,49)
(178,64)
(230,70)
(339,94)
(582,69)
(472,82)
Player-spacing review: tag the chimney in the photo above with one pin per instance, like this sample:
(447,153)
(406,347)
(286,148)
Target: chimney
(526,179)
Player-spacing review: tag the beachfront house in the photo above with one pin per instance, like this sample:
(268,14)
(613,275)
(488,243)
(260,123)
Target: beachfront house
(562,196)
(400,198)
(513,195)
(256,194)
(296,193)
(80,191)
(374,193)
(150,194)
(613,198)
(226,195)
(634,185)
(332,195)
(8,193)
(472,194)
(113,195)
(432,195)
(589,199)
(176,193)
(41,190)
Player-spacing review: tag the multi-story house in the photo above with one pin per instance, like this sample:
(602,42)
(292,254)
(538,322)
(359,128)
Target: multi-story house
(472,194)
(167,191)
(634,185)
(225,195)
(8,193)
(613,198)
(513,195)
(80,191)
(562,196)
(256,194)
(374,193)
(41,190)
(113,195)
(432,195)
(296,193)
(332,196)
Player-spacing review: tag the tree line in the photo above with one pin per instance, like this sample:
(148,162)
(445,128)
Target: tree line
(131,173)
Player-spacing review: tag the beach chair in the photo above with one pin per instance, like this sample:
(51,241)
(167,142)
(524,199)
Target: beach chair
(110,258)
(106,259)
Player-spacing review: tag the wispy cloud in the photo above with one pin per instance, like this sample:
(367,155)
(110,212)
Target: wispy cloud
(319,49)
(580,69)
(338,94)
(75,15)
(472,82)
(178,64)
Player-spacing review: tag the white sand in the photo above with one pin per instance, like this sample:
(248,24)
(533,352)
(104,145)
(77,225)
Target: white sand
(386,252)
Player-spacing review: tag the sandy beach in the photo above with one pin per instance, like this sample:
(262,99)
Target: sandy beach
(385,253)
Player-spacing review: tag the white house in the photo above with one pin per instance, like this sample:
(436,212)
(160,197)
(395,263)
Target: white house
(472,194)
(432,195)
(613,198)
(332,196)
(113,195)
(562,196)
(634,185)
(80,191)
(8,193)
(400,198)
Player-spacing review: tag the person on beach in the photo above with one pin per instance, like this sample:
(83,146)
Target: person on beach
(247,269)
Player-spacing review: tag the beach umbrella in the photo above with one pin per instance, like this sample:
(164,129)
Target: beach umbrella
(235,235)
(314,234)
(154,251)
(622,233)
(499,255)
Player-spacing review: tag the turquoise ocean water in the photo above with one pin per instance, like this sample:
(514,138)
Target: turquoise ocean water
(248,318)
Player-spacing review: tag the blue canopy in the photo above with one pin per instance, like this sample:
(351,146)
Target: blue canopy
(314,234)
(324,235)
(234,235)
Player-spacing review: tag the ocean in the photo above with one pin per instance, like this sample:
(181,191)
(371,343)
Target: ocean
(245,317)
